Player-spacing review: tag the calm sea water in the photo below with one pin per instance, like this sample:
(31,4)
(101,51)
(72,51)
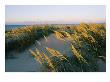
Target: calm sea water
(9,27)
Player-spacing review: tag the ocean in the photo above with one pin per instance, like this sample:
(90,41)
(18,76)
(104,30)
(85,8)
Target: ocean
(9,27)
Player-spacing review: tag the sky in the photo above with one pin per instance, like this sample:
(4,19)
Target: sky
(54,14)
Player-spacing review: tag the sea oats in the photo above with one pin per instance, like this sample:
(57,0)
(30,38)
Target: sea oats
(45,38)
(36,56)
(59,35)
(48,60)
(78,55)
(56,53)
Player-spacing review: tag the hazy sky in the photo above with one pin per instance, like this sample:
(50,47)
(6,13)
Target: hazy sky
(42,14)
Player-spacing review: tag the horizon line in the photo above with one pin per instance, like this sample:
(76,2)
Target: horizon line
(56,23)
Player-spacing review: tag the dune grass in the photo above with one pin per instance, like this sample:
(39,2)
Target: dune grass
(88,45)
(20,38)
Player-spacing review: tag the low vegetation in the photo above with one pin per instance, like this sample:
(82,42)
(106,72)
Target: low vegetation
(20,38)
(87,43)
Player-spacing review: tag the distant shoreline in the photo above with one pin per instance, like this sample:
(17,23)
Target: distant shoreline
(58,24)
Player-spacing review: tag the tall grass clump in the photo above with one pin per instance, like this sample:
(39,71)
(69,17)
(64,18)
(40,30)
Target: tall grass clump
(19,38)
(88,38)
(88,45)
(56,62)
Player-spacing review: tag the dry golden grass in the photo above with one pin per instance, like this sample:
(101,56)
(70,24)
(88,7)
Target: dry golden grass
(37,56)
(56,53)
(84,40)
(77,54)
(59,35)
(42,58)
